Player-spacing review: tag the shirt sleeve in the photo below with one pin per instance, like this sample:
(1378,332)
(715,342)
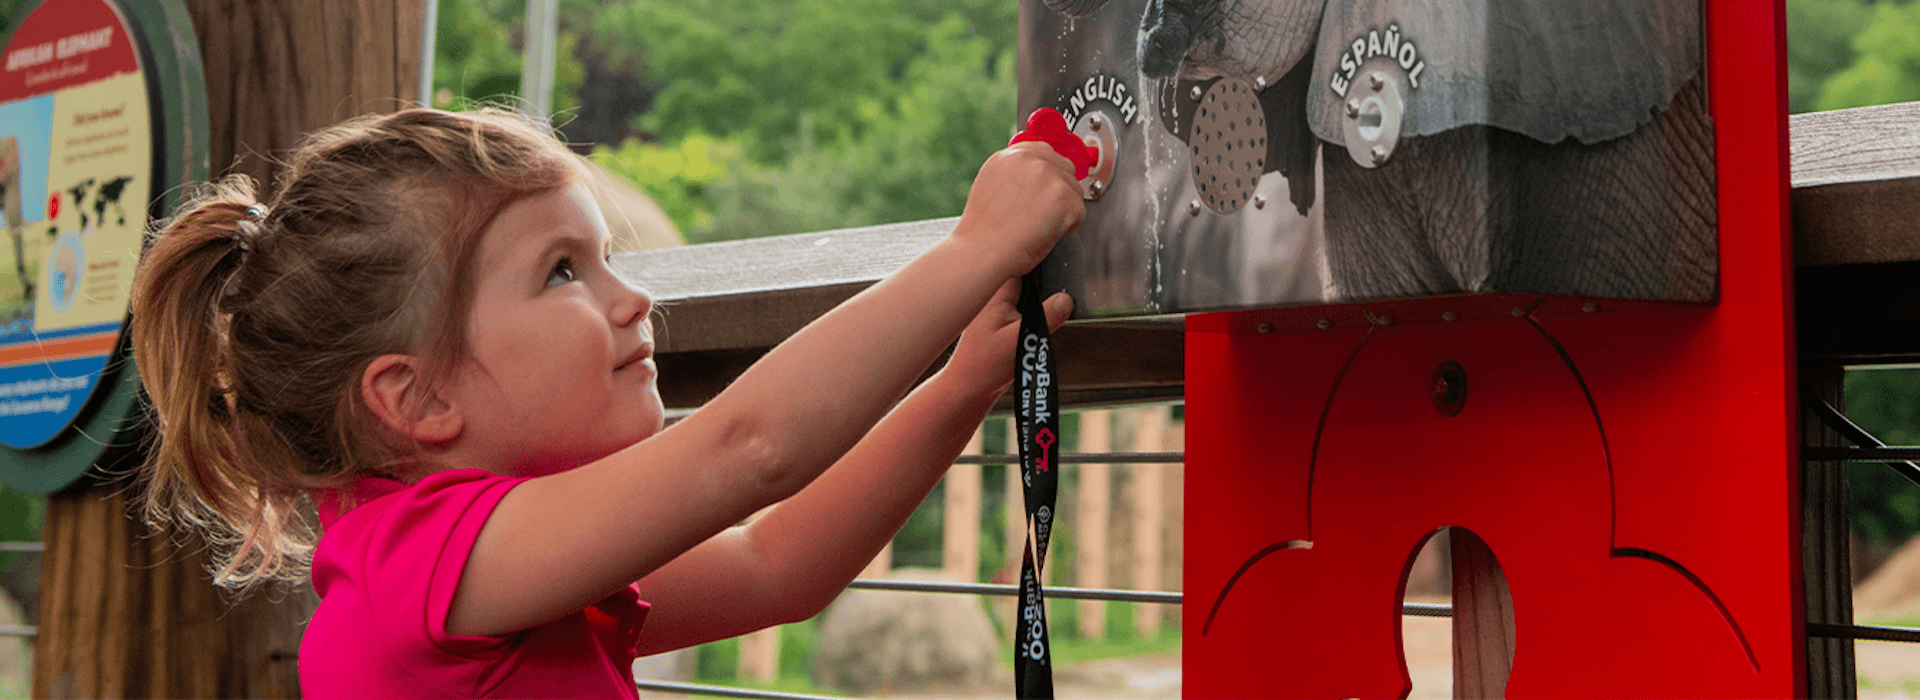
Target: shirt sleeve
(417,544)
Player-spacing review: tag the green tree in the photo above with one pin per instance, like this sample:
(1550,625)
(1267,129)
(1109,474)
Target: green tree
(1819,44)
(1886,66)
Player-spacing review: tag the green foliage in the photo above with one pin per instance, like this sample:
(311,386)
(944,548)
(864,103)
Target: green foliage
(817,114)
(676,175)
(1819,44)
(832,138)
(717,662)
(1884,506)
(1887,64)
(22,519)
(477,55)
(9,8)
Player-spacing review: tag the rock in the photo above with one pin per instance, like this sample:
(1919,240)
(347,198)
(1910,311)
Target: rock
(676,666)
(1894,587)
(895,641)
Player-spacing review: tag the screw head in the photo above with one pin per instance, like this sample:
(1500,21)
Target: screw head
(1096,188)
(1376,80)
(1260,82)
(1197,94)
(1379,154)
(1449,388)
(1095,122)
(1259,202)
(1353,109)
(1193,208)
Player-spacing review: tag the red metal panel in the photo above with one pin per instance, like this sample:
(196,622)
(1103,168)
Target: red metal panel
(1633,466)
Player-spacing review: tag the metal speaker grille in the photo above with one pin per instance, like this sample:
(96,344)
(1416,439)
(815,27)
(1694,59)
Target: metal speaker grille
(1229,145)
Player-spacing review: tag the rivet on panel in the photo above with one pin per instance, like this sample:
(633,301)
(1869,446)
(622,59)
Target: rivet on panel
(1266,328)
(1197,93)
(1518,312)
(1259,202)
(1384,320)
(1324,324)
(1589,307)
(1450,316)
(1193,208)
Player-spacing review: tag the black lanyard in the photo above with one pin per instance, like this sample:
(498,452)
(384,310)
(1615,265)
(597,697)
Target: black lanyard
(1037,412)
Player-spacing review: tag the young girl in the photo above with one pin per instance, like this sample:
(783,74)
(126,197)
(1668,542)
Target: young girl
(420,333)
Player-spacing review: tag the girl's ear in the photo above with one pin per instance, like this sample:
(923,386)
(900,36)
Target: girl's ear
(395,390)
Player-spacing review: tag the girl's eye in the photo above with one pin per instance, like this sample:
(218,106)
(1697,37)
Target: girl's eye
(562,273)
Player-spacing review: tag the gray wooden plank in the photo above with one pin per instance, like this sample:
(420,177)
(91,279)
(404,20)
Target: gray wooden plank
(1856,185)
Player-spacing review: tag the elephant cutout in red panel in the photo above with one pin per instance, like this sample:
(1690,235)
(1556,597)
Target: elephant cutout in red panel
(1316,478)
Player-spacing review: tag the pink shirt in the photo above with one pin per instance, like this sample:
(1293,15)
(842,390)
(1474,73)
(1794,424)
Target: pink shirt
(386,572)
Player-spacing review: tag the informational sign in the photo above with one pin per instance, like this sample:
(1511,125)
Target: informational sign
(92,124)
(74,104)
(1302,151)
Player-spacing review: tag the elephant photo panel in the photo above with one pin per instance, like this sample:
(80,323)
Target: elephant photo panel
(1262,153)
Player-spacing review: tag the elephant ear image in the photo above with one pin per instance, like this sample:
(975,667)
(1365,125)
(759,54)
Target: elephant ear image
(1290,143)
(1188,46)
(1548,69)
(1074,8)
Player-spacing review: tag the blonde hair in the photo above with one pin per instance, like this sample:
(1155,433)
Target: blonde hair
(252,325)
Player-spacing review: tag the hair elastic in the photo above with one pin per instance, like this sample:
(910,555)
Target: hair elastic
(248,227)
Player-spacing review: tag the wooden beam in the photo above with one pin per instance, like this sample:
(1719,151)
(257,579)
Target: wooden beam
(1856,173)
(1825,545)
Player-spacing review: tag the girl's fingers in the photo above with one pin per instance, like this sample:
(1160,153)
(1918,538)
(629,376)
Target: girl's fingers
(1059,307)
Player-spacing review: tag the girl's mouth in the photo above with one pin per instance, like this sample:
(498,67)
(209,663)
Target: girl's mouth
(640,354)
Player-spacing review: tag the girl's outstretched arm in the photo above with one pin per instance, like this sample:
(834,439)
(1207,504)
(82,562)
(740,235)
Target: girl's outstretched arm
(791,562)
(558,543)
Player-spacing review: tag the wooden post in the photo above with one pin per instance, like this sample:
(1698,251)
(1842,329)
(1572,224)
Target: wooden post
(1173,506)
(760,656)
(1145,496)
(960,531)
(126,613)
(882,564)
(1825,562)
(1090,540)
(1482,619)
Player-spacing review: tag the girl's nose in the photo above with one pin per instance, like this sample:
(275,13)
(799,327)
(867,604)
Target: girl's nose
(630,304)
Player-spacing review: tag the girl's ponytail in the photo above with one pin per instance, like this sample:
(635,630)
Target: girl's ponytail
(209,469)
(253,327)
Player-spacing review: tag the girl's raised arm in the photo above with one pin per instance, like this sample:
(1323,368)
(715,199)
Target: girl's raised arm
(556,544)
